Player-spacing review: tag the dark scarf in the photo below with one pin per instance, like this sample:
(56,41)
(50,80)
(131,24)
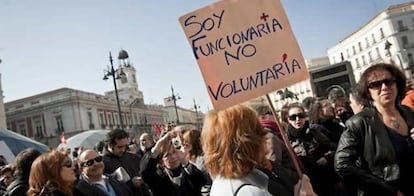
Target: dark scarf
(294,133)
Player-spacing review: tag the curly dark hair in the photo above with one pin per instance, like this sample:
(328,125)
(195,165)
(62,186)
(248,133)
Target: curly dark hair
(114,135)
(362,87)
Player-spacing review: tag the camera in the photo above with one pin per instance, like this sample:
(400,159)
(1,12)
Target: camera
(176,142)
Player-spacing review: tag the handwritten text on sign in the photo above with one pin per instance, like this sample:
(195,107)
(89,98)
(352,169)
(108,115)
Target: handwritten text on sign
(244,48)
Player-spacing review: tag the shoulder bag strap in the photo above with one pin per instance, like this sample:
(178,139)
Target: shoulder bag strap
(238,189)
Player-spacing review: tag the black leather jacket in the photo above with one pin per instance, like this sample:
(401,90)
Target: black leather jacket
(365,154)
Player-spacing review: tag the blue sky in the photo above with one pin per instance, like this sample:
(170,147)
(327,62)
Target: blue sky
(49,44)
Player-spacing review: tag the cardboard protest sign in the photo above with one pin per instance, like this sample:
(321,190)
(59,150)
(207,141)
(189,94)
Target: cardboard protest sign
(244,48)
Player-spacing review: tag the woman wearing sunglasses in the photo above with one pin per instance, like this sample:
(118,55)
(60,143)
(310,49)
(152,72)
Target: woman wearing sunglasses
(314,149)
(375,151)
(52,174)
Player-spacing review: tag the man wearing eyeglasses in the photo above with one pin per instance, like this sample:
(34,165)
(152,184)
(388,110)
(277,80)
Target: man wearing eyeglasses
(92,180)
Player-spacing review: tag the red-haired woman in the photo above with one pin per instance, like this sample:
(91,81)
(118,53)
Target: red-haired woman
(233,142)
(52,174)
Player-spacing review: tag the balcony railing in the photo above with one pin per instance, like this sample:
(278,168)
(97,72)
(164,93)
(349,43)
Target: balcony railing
(408,45)
(402,28)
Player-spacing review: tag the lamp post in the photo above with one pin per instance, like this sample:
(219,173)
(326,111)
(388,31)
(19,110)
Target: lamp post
(388,49)
(196,107)
(115,74)
(174,98)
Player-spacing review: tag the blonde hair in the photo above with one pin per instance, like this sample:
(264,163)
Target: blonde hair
(233,142)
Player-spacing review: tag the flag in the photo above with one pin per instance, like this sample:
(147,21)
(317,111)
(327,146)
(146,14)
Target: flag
(62,138)
(157,128)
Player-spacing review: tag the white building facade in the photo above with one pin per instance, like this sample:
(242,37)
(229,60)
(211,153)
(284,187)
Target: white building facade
(45,116)
(388,38)
(184,116)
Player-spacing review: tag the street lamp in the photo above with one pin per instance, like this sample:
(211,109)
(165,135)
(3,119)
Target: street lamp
(115,74)
(388,47)
(174,98)
(196,107)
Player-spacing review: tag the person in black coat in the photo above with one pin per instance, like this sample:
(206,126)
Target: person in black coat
(168,172)
(314,149)
(115,157)
(322,116)
(376,150)
(93,182)
(23,163)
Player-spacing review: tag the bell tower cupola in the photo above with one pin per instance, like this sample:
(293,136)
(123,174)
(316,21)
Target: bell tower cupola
(128,84)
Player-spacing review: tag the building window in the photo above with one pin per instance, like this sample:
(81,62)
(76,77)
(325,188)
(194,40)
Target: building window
(102,120)
(353,50)
(22,129)
(136,118)
(366,42)
(141,119)
(130,120)
(370,56)
(401,26)
(382,33)
(357,63)
(412,27)
(90,119)
(373,39)
(110,120)
(59,124)
(116,118)
(124,79)
(360,46)
(404,41)
(39,128)
(145,119)
(410,58)
(378,53)
(363,60)
(347,53)
(134,79)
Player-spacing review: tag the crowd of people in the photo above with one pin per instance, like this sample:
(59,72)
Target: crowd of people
(344,145)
